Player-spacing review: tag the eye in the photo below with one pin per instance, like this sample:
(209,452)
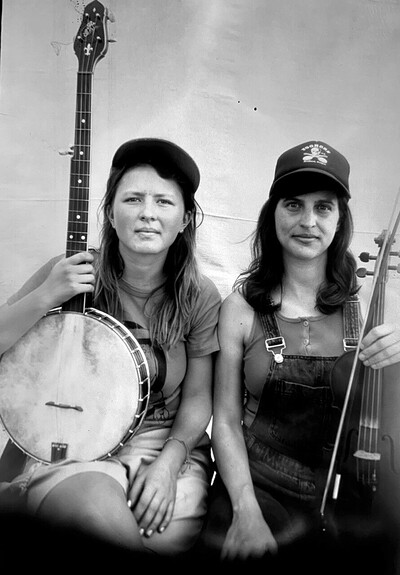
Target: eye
(292,205)
(324,207)
(132,199)
(165,201)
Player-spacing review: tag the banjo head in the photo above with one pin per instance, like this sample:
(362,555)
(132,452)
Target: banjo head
(75,385)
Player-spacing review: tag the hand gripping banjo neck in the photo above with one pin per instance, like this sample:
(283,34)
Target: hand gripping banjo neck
(76,384)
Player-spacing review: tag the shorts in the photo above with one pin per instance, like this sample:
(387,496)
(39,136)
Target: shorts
(192,485)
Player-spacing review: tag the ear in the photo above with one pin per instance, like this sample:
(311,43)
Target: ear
(110,216)
(186,219)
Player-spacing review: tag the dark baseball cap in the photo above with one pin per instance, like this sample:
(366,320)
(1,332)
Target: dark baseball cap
(313,160)
(142,149)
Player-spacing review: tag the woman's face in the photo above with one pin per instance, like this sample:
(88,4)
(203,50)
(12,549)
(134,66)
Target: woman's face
(148,212)
(306,224)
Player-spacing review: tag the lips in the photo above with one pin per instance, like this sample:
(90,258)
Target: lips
(305,239)
(147,231)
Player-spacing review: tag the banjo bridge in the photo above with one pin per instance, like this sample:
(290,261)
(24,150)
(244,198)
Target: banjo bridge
(64,405)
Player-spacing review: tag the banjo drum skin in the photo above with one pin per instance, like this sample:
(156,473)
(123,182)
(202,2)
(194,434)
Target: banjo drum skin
(75,385)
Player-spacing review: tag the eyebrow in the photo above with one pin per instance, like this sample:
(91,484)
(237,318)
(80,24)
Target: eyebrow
(144,193)
(297,198)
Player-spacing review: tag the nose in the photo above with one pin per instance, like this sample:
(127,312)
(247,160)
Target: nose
(308,218)
(147,211)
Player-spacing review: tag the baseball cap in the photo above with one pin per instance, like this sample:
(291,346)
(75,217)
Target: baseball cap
(142,149)
(311,159)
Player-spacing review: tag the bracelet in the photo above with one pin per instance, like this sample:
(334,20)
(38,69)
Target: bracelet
(187,461)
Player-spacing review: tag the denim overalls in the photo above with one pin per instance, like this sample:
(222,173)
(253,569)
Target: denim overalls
(295,423)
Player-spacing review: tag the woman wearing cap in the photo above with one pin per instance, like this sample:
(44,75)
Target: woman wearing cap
(299,295)
(151,495)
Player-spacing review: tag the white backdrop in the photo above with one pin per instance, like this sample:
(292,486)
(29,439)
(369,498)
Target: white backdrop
(235,82)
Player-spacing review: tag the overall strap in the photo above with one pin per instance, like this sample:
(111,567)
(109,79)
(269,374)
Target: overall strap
(274,342)
(351,321)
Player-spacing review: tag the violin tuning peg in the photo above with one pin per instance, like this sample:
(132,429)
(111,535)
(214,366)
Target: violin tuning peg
(363,272)
(366,257)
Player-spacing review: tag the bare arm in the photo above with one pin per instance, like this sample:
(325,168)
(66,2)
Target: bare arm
(249,534)
(69,277)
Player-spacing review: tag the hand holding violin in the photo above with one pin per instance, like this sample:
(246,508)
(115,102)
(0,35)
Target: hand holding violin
(381,346)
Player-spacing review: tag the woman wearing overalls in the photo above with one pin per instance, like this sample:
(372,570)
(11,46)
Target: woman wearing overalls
(292,313)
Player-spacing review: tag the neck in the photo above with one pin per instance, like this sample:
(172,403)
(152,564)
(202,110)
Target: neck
(300,285)
(144,273)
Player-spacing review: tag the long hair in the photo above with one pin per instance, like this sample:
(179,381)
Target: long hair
(170,314)
(266,270)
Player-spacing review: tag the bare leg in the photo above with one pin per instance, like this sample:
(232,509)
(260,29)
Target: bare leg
(95,503)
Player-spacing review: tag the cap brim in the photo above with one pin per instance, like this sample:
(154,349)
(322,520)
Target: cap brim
(148,147)
(340,187)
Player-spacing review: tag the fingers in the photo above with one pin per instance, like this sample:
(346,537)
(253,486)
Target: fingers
(77,271)
(167,518)
(380,347)
(156,518)
(81,257)
(153,517)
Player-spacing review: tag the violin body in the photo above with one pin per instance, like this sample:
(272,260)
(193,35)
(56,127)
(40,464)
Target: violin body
(368,499)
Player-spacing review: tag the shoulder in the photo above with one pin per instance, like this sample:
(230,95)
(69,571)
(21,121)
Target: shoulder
(236,302)
(208,288)
(237,314)
(206,303)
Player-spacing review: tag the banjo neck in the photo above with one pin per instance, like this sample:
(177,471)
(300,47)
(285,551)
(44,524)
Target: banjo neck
(90,46)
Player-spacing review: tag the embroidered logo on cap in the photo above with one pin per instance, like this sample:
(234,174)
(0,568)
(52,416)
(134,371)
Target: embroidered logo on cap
(316,154)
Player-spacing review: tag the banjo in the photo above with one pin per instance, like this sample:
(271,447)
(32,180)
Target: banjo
(76,384)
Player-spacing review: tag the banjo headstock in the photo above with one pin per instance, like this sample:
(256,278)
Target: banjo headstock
(91,42)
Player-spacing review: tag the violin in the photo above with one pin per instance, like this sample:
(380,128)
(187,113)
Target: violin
(362,490)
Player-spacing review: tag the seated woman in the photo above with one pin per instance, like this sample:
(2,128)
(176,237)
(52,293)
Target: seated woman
(291,315)
(151,494)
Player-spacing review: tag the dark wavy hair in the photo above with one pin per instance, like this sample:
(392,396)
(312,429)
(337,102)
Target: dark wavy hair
(171,313)
(266,270)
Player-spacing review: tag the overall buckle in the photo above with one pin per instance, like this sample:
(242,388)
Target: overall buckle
(349,343)
(274,343)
